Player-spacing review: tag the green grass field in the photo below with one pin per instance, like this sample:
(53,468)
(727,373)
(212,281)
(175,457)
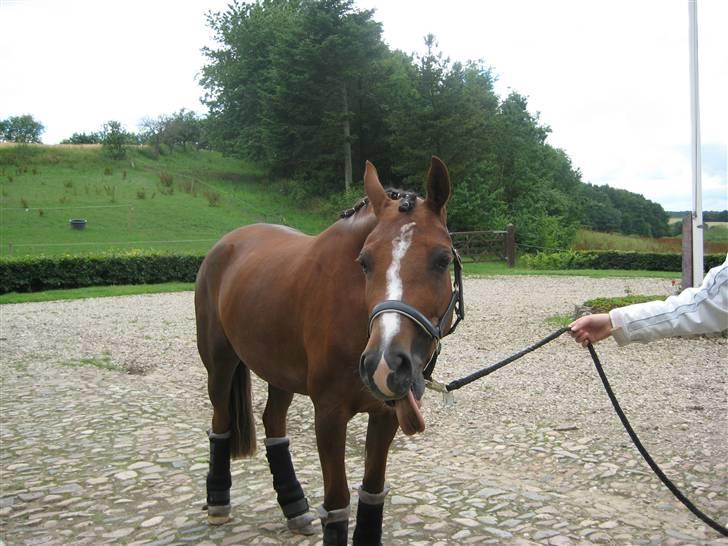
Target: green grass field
(95,292)
(715,241)
(182,202)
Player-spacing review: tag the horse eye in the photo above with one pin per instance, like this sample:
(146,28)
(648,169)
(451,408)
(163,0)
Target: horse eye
(442,261)
(365,263)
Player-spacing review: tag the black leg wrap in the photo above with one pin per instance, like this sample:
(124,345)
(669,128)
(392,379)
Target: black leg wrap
(368,530)
(218,477)
(290,494)
(336,526)
(336,533)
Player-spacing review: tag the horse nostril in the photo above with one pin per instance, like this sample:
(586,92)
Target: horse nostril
(367,364)
(400,363)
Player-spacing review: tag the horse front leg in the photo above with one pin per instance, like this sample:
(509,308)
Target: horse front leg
(380,432)
(331,421)
(291,498)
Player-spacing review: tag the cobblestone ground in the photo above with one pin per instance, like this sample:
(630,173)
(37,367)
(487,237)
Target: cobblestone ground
(104,410)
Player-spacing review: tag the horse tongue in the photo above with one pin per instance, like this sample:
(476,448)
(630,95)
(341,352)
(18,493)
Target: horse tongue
(408,414)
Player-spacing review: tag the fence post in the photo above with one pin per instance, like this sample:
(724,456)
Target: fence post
(511,245)
(687,251)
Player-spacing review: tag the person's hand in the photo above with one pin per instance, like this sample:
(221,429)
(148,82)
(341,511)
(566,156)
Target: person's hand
(591,328)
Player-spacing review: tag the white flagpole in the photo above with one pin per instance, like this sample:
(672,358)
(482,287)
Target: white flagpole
(697,205)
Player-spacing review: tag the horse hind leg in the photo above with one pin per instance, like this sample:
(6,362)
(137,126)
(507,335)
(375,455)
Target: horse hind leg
(232,434)
(290,494)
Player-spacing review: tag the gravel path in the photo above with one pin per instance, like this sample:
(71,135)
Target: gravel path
(103,412)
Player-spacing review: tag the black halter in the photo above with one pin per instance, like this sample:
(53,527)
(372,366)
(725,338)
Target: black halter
(456,307)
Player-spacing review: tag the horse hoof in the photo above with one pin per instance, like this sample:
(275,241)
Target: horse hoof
(217,515)
(303,524)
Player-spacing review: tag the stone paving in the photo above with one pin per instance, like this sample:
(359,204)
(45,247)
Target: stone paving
(103,413)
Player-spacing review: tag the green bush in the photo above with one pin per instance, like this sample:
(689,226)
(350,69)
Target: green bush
(649,261)
(604,305)
(32,274)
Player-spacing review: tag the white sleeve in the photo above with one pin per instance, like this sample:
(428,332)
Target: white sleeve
(694,311)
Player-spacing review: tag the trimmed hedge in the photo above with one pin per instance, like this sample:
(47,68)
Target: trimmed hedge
(596,259)
(32,274)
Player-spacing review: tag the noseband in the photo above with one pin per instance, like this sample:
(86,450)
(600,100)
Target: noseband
(435,332)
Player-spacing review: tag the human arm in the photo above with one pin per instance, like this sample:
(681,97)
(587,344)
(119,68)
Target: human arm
(694,311)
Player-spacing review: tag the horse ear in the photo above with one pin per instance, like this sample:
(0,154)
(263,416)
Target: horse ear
(439,187)
(374,189)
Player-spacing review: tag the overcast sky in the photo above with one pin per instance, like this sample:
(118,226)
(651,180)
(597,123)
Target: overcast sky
(610,77)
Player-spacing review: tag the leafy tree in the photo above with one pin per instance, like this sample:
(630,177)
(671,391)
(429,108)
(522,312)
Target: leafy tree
(181,128)
(114,139)
(527,181)
(477,202)
(715,216)
(602,215)
(440,108)
(282,87)
(83,138)
(21,129)
(616,210)
(306,87)
(151,130)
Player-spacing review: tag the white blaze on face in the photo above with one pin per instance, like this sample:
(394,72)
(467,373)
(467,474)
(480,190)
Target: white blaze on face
(400,245)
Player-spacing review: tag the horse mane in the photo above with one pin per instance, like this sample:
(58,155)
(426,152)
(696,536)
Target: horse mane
(407,201)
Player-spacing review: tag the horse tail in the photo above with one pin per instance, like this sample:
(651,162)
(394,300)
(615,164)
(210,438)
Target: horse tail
(242,423)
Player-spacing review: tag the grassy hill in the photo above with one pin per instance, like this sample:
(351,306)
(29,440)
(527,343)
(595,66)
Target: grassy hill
(182,202)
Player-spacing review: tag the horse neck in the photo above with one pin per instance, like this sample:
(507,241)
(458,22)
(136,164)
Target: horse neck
(349,234)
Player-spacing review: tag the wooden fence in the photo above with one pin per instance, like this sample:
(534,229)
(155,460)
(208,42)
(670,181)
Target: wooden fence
(479,245)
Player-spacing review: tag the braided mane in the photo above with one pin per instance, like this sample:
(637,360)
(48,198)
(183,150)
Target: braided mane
(407,201)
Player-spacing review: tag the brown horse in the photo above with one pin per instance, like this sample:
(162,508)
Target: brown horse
(351,318)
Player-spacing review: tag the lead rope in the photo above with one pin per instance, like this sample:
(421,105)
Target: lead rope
(645,455)
(454,385)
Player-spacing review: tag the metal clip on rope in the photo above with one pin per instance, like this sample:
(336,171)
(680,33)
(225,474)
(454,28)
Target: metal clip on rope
(448,398)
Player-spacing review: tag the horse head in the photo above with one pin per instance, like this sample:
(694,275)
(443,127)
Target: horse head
(406,261)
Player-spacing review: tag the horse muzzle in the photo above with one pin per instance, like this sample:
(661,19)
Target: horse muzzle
(393,378)
(390,375)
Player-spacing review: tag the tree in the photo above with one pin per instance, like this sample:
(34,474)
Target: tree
(83,138)
(305,87)
(181,128)
(715,216)
(615,210)
(21,129)
(439,108)
(151,130)
(282,87)
(114,139)
(242,75)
